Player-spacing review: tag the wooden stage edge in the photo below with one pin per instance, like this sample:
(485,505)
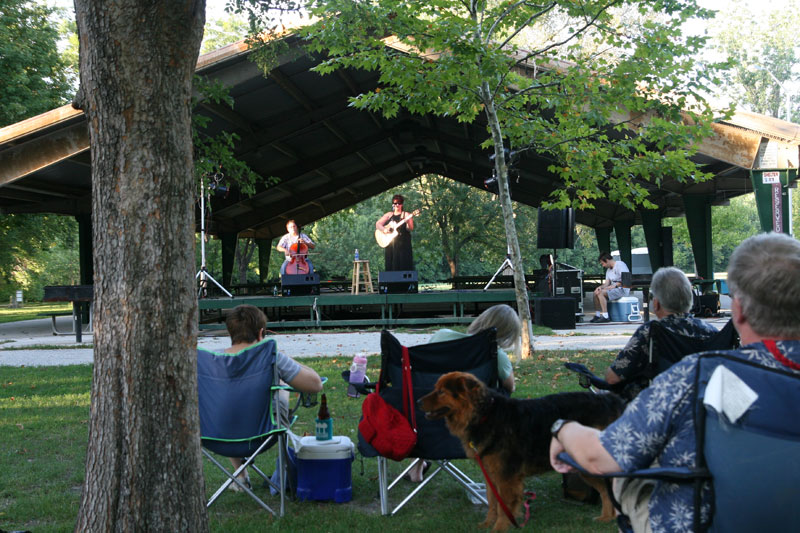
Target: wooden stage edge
(359,310)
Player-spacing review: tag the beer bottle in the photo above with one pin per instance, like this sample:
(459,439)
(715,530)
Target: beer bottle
(324,427)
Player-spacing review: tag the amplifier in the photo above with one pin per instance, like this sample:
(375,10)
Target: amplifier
(398,282)
(556,313)
(299,284)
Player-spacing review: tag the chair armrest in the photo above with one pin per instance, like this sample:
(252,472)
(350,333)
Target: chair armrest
(674,474)
(363,388)
(588,379)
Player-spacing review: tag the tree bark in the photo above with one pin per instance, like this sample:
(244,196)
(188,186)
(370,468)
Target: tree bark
(244,254)
(143,463)
(501,168)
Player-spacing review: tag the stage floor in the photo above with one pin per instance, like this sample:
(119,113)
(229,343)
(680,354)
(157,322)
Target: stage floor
(338,309)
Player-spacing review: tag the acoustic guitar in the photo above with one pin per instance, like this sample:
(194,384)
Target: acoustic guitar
(385,239)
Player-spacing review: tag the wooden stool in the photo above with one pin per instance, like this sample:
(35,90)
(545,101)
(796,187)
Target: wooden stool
(361,277)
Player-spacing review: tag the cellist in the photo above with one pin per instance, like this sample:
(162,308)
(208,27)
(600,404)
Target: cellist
(294,237)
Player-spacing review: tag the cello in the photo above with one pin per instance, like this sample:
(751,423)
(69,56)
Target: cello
(298,264)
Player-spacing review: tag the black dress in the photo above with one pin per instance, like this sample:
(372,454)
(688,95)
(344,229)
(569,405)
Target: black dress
(398,254)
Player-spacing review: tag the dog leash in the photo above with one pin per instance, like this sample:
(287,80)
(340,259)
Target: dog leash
(530,495)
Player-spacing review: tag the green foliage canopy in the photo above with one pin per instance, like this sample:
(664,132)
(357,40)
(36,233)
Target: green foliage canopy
(33,76)
(612,105)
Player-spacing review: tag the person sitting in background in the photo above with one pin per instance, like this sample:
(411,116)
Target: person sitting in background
(658,425)
(671,294)
(505,320)
(247,326)
(611,289)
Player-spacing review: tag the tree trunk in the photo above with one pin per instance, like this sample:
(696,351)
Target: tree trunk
(520,288)
(244,253)
(143,463)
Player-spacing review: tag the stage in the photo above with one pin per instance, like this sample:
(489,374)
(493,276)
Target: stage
(339,309)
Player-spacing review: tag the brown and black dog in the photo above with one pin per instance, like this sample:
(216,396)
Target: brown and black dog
(512,436)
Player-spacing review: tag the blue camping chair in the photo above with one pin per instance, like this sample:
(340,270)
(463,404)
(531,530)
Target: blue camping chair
(750,462)
(477,355)
(238,402)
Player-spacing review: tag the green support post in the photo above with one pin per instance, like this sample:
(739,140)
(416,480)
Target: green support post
(228,255)
(85,260)
(773,198)
(622,229)
(698,221)
(85,248)
(603,236)
(264,249)
(651,223)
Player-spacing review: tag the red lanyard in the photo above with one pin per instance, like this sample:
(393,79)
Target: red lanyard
(785,361)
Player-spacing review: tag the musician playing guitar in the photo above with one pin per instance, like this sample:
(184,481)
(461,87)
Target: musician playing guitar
(295,245)
(398,253)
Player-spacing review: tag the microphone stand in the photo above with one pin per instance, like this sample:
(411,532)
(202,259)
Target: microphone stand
(505,264)
(203,274)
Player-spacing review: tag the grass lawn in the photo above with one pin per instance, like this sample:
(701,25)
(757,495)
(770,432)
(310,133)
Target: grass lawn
(30,311)
(43,434)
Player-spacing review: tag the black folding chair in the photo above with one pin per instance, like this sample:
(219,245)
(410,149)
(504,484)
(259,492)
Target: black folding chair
(477,355)
(667,347)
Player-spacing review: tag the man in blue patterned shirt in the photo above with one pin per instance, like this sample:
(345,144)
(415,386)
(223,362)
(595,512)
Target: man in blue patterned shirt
(657,427)
(671,300)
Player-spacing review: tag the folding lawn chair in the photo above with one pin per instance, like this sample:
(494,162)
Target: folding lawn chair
(237,395)
(477,355)
(748,458)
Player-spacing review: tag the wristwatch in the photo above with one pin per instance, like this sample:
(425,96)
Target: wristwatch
(557,425)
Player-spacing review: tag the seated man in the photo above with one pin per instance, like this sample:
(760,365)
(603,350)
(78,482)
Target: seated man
(658,426)
(671,295)
(611,289)
(246,326)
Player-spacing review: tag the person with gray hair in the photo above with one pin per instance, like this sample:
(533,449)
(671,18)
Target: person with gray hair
(658,426)
(671,295)
(509,328)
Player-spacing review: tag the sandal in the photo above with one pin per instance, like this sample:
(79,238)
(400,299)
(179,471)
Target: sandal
(425,467)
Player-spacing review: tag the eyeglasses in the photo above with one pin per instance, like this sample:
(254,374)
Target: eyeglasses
(397,203)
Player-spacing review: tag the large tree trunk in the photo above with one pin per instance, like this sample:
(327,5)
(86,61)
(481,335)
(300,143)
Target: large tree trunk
(143,463)
(501,168)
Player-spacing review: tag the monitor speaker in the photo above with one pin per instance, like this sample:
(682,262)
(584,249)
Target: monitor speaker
(556,313)
(299,284)
(398,282)
(555,228)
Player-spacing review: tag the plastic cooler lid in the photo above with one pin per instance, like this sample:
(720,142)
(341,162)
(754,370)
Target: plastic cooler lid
(339,447)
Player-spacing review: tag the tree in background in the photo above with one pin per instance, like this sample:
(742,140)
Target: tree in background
(143,461)
(37,250)
(224,31)
(32,77)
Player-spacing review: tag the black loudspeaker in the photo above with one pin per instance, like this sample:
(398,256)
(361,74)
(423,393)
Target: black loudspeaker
(398,282)
(299,284)
(556,313)
(555,228)
(666,245)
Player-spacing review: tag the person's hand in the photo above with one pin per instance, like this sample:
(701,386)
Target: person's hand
(387,230)
(558,465)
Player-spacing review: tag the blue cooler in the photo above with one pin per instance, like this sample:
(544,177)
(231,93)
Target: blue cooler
(324,469)
(626,309)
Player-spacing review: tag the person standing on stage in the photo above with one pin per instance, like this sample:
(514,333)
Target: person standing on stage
(398,254)
(292,237)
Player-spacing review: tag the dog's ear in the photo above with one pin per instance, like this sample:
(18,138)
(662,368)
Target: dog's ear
(472,386)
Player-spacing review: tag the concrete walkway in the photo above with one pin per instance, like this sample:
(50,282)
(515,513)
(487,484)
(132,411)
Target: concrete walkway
(31,343)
